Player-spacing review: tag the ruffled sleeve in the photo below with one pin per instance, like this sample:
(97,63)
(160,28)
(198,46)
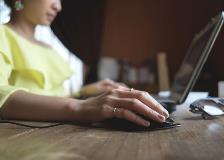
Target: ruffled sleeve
(5,89)
(28,66)
(5,70)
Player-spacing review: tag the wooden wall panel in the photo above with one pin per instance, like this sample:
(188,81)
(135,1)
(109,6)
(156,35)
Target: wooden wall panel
(138,29)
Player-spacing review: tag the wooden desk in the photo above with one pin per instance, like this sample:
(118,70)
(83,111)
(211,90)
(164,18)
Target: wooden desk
(196,139)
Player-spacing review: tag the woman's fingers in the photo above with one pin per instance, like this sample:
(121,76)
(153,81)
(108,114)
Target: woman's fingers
(145,98)
(130,116)
(109,88)
(113,84)
(130,104)
(110,112)
(122,84)
(136,106)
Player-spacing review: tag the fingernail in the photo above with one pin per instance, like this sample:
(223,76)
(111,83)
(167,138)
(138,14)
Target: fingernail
(166,114)
(161,118)
(146,123)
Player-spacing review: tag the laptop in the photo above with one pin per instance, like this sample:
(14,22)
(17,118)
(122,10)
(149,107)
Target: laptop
(192,64)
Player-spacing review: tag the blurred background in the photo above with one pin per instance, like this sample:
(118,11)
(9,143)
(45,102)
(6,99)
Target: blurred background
(121,40)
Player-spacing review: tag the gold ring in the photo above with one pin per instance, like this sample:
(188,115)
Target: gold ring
(114,109)
(131,89)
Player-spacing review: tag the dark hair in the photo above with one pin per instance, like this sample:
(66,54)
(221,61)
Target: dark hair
(9,3)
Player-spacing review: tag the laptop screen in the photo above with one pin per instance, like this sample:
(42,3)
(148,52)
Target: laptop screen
(194,60)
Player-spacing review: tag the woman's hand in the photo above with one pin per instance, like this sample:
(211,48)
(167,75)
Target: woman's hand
(121,103)
(100,87)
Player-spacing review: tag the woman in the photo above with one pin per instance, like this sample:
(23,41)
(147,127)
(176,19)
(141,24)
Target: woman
(32,75)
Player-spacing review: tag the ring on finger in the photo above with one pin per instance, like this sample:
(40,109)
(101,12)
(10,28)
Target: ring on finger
(115,109)
(131,89)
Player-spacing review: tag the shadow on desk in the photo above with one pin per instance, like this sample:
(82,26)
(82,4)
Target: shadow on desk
(114,124)
(124,125)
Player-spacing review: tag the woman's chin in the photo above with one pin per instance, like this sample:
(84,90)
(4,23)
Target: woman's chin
(46,23)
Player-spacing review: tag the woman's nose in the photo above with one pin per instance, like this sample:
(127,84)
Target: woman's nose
(57,5)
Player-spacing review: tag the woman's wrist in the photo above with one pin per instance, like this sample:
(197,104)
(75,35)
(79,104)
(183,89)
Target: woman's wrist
(85,111)
(72,109)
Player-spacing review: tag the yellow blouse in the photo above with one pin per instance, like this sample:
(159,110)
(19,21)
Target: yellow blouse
(28,66)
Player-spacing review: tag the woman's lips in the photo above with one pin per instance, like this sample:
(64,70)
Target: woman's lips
(50,17)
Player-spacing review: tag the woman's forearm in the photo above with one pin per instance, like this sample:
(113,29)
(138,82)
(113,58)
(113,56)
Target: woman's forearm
(22,105)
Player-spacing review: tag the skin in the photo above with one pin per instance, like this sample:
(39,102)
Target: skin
(23,105)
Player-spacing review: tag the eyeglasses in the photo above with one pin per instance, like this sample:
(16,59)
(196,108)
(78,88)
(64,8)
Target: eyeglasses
(208,108)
